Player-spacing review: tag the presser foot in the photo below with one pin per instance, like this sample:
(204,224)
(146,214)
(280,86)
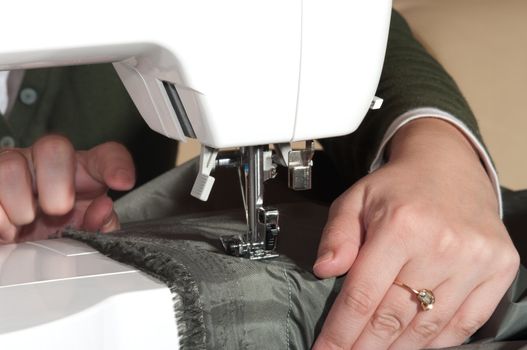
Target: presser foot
(265,247)
(256,164)
(236,246)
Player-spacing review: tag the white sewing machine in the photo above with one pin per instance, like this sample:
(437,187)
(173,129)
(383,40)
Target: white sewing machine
(240,74)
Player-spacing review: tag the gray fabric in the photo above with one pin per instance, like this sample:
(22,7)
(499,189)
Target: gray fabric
(223,302)
(169,193)
(231,303)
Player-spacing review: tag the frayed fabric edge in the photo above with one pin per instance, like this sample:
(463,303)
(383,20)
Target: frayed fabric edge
(188,310)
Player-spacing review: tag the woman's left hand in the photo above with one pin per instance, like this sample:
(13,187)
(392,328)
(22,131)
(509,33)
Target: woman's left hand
(429,219)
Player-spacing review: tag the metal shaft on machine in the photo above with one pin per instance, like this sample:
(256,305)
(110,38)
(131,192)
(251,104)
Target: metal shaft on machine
(256,164)
(255,190)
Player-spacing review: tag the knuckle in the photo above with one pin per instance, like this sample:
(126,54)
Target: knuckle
(406,216)
(329,342)
(510,260)
(386,323)
(57,208)
(447,242)
(482,251)
(479,242)
(28,217)
(404,212)
(23,216)
(514,261)
(426,329)
(476,246)
(358,300)
(506,257)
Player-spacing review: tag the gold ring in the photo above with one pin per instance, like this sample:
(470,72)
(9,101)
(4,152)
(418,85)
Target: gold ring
(425,296)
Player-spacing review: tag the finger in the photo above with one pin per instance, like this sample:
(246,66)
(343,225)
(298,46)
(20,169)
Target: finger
(110,164)
(8,231)
(111,223)
(427,325)
(366,284)
(54,163)
(394,314)
(100,215)
(399,306)
(16,188)
(473,313)
(341,237)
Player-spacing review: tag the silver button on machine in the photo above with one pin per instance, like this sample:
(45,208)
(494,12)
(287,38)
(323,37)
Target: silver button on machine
(28,96)
(7,142)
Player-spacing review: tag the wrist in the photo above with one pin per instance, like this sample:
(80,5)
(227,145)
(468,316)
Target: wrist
(431,139)
(437,149)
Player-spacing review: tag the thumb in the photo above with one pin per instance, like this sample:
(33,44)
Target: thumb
(100,216)
(341,237)
(110,164)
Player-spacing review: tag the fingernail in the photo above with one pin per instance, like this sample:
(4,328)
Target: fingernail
(108,220)
(123,175)
(324,257)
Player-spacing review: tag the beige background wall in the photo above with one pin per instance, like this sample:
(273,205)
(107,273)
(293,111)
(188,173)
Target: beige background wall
(483,44)
(187,151)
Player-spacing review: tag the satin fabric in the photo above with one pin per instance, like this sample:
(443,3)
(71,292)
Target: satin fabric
(223,302)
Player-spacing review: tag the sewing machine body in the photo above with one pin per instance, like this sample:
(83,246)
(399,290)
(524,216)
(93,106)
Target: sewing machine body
(246,72)
(62,294)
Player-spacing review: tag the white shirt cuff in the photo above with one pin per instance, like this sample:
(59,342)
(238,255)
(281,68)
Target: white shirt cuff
(3,91)
(417,113)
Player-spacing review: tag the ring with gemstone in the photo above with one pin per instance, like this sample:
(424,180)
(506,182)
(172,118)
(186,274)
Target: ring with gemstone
(425,296)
